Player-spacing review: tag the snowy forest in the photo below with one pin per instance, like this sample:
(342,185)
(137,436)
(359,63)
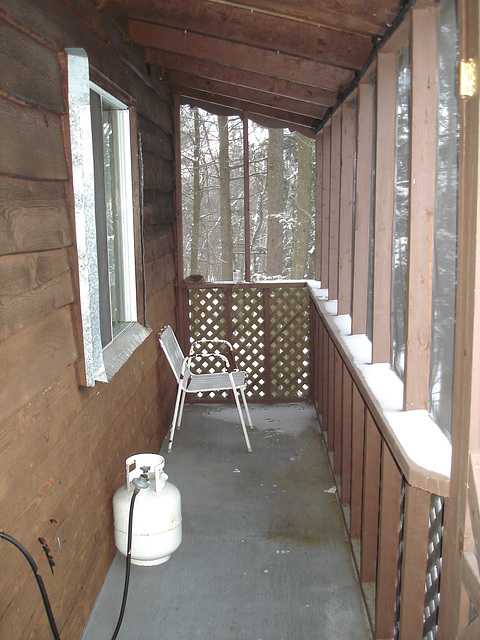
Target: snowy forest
(279,228)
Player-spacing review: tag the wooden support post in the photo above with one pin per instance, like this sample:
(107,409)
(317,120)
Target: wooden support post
(335,166)
(422,205)
(388,546)
(466,405)
(384,205)
(358,429)
(346,210)
(318,205)
(182,308)
(371,500)
(414,565)
(246,196)
(325,233)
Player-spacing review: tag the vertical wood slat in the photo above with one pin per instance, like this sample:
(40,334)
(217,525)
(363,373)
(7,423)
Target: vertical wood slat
(414,564)
(358,429)
(346,209)
(384,203)
(331,394)
(422,204)
(318,363)
(325,378)
(325,233)
(346,434)
(335,166)
(337,414)
(312,360)
(268,333)
(362,208)
(246,196)
(388,546)
(318,205)
(371,500)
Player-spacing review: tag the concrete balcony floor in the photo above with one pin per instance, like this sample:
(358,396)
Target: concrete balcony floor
(264,554)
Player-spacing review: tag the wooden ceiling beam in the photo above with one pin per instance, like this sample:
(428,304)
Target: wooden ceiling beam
(242,56)
(240,77)
(253,96)
(274,33)
(264,121)
(243,105)
(367,16)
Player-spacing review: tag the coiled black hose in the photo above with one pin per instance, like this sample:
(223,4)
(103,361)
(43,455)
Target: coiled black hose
(39,579)
(41,584)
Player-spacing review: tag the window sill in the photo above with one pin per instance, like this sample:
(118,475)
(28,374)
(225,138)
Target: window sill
(121,348)
(420,448)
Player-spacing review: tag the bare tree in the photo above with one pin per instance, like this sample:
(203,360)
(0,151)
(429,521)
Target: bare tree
(197,194)
(225,201)
(275,202)
(304,210)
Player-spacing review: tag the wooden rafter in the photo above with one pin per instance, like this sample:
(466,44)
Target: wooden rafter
(206,69)
(293,62)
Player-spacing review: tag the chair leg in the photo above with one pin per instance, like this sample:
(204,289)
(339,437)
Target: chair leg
(180,411)
(180,393)
(242,421)
(249,419)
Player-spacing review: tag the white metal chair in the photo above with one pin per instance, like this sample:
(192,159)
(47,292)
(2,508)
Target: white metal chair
(230,379)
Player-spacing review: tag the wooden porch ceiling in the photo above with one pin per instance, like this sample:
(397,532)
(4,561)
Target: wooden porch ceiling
(285,62)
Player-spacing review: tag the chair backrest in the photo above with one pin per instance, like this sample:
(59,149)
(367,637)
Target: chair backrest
(172,350)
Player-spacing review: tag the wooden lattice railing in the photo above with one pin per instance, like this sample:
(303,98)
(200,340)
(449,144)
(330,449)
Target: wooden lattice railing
(393,515)
(268,325)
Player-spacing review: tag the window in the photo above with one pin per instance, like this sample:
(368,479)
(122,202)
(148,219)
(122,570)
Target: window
(445,222)
(401,208)
(113,213)
(104,223)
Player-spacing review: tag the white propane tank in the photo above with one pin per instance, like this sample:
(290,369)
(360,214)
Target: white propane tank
(157,516)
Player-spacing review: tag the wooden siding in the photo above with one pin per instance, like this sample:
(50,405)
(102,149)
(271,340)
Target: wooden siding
(62,447)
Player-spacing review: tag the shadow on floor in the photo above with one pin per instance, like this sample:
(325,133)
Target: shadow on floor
(264,554)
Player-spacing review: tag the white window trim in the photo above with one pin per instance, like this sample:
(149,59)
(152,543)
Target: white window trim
(100,364)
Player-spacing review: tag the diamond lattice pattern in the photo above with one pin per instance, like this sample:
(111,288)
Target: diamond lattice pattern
(239,315)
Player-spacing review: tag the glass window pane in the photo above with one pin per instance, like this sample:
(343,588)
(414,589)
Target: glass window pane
(401,207)
(445,221)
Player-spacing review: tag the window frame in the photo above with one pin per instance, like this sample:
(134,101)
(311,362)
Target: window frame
(99,363)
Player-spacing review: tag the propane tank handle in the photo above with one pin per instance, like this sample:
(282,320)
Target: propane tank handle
(160,477)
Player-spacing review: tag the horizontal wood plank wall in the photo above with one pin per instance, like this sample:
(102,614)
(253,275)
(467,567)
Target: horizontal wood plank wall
(69,443)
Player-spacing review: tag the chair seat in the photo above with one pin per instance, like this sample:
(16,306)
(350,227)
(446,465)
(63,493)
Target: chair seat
(215,382)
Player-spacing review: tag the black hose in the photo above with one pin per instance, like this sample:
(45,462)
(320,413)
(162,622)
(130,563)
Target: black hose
(40,582)
(128,565)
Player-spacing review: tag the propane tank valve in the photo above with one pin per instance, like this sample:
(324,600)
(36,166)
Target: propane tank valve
(141,482)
